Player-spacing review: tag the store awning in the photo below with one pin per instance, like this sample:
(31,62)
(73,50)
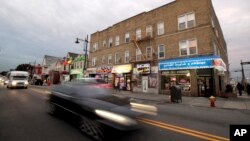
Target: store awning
(122,68)
(209,61)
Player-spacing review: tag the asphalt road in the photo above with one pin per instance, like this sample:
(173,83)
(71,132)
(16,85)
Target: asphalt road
(23,117)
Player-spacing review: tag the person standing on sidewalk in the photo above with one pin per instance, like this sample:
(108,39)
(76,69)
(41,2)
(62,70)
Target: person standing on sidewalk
(248,89)
(240,88)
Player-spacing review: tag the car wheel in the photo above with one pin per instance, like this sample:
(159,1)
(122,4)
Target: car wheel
(91,128)
(51,108)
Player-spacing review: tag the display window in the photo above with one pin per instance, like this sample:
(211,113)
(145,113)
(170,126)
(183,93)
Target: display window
(178,78)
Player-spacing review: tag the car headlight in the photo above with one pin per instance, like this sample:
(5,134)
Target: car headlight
(115,117)
(13,83)
(26,83)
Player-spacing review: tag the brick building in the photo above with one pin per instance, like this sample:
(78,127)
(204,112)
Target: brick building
(180,43)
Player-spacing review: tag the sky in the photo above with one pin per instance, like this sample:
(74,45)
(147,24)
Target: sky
(29,29)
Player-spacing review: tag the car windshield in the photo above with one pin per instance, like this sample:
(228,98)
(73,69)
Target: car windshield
(19,77)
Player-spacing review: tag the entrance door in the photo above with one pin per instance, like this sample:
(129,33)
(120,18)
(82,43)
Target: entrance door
(145,84)
(205,86)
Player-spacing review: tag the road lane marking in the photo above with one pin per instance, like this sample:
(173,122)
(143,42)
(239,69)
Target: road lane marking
(183,130)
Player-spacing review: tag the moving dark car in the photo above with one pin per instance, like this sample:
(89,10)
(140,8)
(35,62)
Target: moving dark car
(91,103)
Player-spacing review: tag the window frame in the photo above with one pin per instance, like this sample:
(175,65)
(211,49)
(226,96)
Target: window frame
(138,34)
(117,40)
(164,50)
(127,36)
(185,16)
(159,28)
(149,29)
(94,61)
(110,59)
(151,52)
(126,56)
(187,44)
(110,42)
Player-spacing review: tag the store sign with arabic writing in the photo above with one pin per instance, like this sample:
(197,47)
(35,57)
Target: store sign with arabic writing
(104,69)
(143,68)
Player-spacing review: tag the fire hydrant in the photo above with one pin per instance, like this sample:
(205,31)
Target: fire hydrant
(212,101)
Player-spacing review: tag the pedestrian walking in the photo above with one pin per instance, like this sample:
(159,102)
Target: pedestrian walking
(240,88)
(117,86)
(248,88)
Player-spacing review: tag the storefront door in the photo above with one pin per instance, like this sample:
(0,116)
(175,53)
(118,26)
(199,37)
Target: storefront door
(145,84)
(205,86)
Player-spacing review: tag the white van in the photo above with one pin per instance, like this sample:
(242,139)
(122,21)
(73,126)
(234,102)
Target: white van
(18,79)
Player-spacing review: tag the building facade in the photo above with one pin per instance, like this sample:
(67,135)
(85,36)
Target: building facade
(180,43)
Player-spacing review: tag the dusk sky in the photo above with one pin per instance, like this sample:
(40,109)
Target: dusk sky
(29,29)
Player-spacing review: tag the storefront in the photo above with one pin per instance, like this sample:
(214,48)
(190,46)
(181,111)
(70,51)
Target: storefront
(145,78)
(104,72)
(90,72)
(196,76)
(76,73)
(122,76)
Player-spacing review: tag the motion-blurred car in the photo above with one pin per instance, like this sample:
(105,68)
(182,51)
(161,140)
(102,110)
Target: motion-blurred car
(90,101)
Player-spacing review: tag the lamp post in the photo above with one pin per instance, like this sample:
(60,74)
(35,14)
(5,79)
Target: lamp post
(85,49)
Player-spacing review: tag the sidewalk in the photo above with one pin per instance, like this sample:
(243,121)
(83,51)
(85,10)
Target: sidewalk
(241,102)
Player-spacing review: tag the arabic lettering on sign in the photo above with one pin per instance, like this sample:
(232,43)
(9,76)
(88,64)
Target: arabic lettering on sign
(104,69)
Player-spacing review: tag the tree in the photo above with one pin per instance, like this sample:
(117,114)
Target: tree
(24,67)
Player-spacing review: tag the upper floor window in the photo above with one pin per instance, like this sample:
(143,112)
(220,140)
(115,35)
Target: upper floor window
(186,21)
(161,51)
(149,52)
(188,47)
(104,43)
(110,59)
(127,38)
(126,57)
(138,54)
(117,39)
(117,58)
(95,46)
(138,34)
(103,59)
(94,61)
(110,42)
(160,28)
(149,31)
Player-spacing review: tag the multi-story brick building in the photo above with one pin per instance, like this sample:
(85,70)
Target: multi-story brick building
(180,43)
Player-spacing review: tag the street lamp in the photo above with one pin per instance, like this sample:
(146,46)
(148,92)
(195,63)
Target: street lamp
(85,49)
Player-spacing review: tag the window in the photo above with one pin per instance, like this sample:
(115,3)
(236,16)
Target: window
(160,28)
(104,43)
(188,47)
(110,59)
(138,34)
(117,41)
(138,54)
(149,31)
(103,59)
(95,46)
(94,61)
(186,21)
(110,42)
(127,39)
(117,58)
(149,52)
(126,57)
(161,51)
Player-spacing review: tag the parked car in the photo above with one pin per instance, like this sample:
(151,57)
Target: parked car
(90,102)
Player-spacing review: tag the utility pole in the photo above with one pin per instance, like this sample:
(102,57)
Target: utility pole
(243,74)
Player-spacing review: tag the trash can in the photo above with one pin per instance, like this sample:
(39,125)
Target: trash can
(175,92)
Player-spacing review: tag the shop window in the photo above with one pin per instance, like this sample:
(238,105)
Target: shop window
(179,78)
